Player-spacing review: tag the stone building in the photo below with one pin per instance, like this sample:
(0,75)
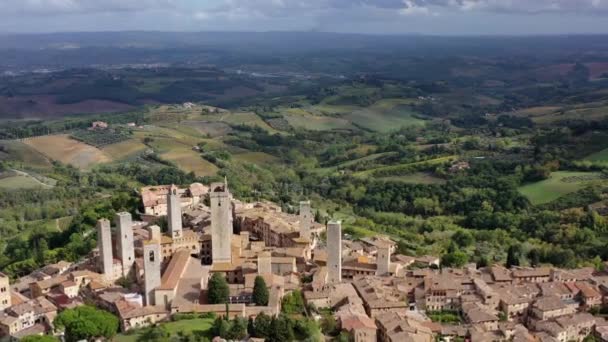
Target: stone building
(334,252)
(154,198)
(174,213)
(5,292)
(104,244)
(125,248)
(152,266)
(221,222)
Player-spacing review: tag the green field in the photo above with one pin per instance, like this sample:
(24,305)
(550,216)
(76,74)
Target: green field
(559,184)
(598,157)
(396,169)
(415,178)
(384,116)
(18,151)
(301,119)
(124,149)
(21,182)
(197,326)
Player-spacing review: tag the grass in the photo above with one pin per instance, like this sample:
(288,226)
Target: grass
(400,167)
(190,161)
(124,149)
(20,152)
(589,112)
(415,178)
(385,116)
(202,325)
(301,119)
(559,184)
(598,157)
(68,151)
(20,182)
(355,161)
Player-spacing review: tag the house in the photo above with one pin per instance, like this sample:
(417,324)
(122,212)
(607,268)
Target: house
(31,317)
(98,125)
(545,308)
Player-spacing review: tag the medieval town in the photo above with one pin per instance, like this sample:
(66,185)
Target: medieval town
(146,274)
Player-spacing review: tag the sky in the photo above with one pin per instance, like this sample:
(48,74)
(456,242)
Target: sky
(442,17)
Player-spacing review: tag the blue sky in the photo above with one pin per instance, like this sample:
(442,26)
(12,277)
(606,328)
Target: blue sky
(361,16)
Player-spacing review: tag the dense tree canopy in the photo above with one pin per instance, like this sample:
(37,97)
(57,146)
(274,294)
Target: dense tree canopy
(86,322)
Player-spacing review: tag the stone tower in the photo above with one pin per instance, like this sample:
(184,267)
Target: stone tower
(221,222)
(152,262)
(306,219)
(334,252)
(5,292)
(383,260)
(174,212)
(154,233)
(125,249)
(104,244)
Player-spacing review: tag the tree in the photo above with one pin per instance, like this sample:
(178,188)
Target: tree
(329,325)
(318,217)
(260,291)
(293,303)
(534,257)
(86,322)
(238,329)
(463,238)
(44,338)
(456,258)
(218,291)
(262,325)
(155,334)
(221,326)
(250,326)
(513,256)
(281,329)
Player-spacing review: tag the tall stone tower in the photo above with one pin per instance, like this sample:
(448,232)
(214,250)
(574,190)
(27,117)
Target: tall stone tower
(221,222)
(152,262)
(154,233)
(125,249)
(104,244)
(383,260)
(334,252)
(306,219)
(174,212)
(5,292)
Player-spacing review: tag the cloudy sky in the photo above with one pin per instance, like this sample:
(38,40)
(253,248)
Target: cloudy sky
(361,16)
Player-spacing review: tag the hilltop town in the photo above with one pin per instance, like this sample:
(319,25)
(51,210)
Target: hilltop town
(146,275)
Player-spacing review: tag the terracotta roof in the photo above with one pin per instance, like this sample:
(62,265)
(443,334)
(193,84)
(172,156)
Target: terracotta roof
(174,270)
(356,322)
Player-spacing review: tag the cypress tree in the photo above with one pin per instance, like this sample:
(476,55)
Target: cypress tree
(218,291)
(260,292)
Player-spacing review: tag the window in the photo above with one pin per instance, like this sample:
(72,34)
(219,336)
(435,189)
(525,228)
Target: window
(151,256)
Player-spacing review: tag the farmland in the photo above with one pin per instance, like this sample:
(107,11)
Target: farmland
(557,185)
(13,150)
(305,120)
(69,151)
(384,120)
(20,182)
(124,149)
(415,178)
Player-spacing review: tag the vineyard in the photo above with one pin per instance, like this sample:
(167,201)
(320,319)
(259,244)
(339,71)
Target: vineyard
(99,138)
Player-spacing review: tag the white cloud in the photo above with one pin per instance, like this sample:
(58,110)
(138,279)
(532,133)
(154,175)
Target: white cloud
(51,7)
